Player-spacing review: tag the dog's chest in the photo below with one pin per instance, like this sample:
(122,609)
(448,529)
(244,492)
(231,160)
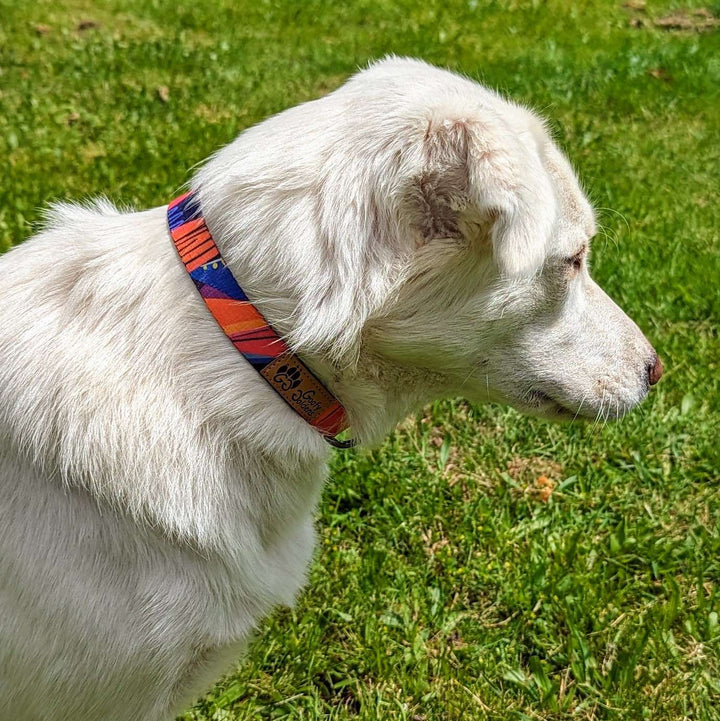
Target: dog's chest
(271,539)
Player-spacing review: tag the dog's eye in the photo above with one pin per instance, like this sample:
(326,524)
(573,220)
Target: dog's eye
(576,261)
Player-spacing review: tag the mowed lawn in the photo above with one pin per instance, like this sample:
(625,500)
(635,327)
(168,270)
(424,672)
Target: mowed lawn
(478,564)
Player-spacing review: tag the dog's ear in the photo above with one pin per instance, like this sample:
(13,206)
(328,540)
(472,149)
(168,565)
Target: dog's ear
(483,175)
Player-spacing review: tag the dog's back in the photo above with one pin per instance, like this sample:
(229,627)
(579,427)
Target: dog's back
(76,576)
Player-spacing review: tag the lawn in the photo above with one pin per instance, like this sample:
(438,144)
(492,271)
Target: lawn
(478,564)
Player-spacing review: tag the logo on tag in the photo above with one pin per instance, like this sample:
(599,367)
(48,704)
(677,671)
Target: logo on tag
(287,377)
(298,386)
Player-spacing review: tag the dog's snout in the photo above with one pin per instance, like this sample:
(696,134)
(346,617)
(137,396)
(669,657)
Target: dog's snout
(655,370)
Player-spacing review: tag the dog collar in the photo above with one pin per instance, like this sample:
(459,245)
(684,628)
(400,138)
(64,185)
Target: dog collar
(246,327)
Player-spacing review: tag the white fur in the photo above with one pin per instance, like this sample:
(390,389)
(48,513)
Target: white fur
(408,234)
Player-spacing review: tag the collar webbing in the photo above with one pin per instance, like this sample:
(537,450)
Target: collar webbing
(245,326)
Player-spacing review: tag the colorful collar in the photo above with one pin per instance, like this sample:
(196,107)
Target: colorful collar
(247,329)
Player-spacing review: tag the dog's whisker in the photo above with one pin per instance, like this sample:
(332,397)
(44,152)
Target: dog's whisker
(603,209)
(577,412)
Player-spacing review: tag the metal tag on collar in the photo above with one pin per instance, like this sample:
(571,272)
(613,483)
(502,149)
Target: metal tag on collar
(336,443)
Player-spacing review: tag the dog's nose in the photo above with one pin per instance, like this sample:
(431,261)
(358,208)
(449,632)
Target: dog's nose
(655,370)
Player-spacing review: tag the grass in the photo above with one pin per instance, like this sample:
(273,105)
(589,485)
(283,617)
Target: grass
(478,564)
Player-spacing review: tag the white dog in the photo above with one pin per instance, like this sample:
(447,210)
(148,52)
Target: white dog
(412,235)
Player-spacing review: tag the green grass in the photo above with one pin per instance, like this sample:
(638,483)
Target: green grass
(447,584)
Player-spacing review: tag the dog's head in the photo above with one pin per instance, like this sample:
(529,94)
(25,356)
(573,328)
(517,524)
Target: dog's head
(434,226)
(497,296)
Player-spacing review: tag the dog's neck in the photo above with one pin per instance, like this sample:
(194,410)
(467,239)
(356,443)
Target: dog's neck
(379,393)
(375,392)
